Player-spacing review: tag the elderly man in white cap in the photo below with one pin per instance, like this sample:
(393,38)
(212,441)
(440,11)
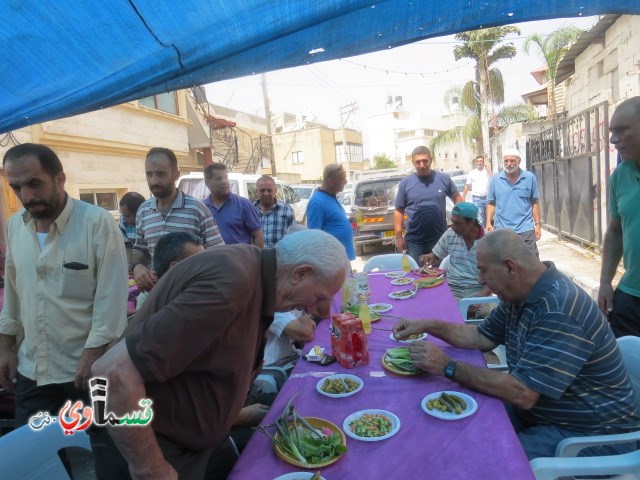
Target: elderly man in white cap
(512,201)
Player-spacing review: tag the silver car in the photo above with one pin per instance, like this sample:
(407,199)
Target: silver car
(304,192)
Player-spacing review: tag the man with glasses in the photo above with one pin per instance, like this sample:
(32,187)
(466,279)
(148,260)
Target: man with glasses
(421,197)
(324,212)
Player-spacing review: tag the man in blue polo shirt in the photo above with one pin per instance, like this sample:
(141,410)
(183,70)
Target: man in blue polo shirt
(566,374)
(512,201)
(621,239)
(326,213)
(236,216)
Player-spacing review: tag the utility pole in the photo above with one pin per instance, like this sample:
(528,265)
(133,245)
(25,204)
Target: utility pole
(267,113)
(346,110)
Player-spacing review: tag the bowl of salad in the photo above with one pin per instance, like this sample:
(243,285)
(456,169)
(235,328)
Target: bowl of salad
(371,425)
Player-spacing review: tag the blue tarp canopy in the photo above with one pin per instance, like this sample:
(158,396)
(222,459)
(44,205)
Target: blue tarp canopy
(65,57)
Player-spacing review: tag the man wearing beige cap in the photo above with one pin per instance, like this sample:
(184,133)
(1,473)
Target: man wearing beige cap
(512,201)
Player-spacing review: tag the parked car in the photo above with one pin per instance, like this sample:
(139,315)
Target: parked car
(241,184)
(304,192)
(460,181)
(344,197)
(374,199)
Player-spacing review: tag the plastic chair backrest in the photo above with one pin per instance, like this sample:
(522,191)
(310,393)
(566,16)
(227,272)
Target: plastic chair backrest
(630,349)
(19,448)
(389,261)
(444,264)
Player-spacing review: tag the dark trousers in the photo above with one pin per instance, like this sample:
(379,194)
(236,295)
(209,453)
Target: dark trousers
(415,248)
(625,317)
(529,238)
(206,464)
(31,398)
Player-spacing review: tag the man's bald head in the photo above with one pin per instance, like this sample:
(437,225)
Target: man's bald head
(504,244)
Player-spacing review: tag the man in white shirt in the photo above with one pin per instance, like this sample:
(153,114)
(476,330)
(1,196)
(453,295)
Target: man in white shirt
(478,184)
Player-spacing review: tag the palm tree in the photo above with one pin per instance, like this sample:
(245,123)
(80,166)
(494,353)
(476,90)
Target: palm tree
(486,46)
(471,132)
(552,48)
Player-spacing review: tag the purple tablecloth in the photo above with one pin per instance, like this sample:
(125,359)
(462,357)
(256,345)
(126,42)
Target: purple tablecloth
(482,446)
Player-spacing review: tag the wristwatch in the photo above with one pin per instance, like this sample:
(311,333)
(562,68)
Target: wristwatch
(450,369)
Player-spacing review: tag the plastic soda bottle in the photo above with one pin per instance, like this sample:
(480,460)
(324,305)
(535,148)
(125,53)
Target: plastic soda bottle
(406,267)
(365,317)
(346,292)
(358,216)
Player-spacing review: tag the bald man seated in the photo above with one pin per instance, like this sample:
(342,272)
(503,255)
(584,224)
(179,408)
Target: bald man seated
(566,374)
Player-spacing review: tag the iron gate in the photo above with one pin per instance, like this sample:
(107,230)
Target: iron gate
(571,163)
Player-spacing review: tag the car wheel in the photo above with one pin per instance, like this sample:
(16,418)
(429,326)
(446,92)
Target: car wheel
(359,249)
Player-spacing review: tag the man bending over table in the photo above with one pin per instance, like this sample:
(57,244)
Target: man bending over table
(193,348)
(566,375)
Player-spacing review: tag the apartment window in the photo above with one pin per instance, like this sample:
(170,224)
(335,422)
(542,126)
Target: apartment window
(165,102)
(354,153)
(105,199)
(455,155)
(427,133)
(297,157)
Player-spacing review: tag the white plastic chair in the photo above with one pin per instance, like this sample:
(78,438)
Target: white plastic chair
(34,454)
(389,261)
(463,306)
(444,263)
(565,462)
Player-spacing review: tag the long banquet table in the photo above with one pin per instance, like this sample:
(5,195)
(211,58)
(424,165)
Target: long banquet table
(482,446)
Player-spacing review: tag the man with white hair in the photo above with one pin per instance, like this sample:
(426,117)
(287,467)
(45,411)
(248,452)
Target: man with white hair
(195,345)
(512,201)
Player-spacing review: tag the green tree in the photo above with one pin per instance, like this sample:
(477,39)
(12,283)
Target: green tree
(486,47)
(552,48)
(471,132)
(382,160)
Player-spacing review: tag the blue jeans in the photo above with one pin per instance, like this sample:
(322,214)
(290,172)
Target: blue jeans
(417,248)
(481,203)
(542,440)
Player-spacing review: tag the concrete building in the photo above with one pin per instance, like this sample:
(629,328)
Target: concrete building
(396,132)
(603,65)
(303,148)
(103,152)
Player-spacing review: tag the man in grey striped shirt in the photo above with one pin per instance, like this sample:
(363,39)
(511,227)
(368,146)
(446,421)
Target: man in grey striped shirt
(566,374)
(170,210)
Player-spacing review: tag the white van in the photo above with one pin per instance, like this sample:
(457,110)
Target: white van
(241,184)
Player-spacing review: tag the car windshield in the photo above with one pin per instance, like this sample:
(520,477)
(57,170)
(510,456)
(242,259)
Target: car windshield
(303,192)
(376,193)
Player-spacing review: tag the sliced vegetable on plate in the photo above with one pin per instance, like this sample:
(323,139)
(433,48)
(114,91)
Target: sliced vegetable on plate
(371,425)
(403,294)
(402,281)
(396,274)
(397,360)
(380,307)
(429,282)
(428,272)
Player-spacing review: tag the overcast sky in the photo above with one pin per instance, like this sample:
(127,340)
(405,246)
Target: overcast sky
(420,72)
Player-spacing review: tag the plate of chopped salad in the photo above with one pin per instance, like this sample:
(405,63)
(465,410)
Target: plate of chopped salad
(371,425)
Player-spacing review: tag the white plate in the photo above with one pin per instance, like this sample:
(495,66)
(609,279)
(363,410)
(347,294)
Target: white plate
(396,274)
(339,395)
(297,476)
(397,295)
(380,307)
(472,406)
(395,424)
(422,336)
(402,281)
